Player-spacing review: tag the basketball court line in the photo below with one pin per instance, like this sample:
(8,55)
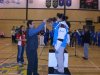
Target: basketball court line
(92,63)
(5,46)
(4,43)
(85,69)
(81,67)
(41,51)
(95,65)
(10,57)
(2,49)
(7,58)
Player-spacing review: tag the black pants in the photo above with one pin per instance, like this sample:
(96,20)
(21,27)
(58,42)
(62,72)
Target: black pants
(13,39)
(51,42)
(32,68)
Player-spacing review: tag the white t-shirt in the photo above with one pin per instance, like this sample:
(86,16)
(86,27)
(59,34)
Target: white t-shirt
(19,42)
(61,33)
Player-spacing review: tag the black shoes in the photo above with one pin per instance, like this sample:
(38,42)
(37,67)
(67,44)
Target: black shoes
(85,58)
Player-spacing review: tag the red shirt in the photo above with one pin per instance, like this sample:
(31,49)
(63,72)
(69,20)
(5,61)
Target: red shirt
(22,37)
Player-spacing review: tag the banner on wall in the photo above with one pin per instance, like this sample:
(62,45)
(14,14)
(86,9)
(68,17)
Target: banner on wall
(48,3)
(61,2)
(12,3)
(68,3)
(55,3)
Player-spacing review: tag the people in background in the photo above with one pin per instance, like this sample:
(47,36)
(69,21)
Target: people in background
(98,38)
(86,41)
(17,29)
(68,23)
(46,37)
(51,37)
(73,38)
(41,36)
(13,34)
(94,42)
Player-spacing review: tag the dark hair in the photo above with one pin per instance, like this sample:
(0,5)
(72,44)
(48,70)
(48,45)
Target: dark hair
(20,29)
(52,19)
(49,20)
(29,22)
(66,17)
(61,16)
(63,26)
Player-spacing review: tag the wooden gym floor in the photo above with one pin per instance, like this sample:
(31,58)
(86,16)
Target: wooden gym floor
(77,65)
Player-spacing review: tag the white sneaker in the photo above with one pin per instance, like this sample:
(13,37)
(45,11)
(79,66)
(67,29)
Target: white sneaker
(20,64)
(56,67)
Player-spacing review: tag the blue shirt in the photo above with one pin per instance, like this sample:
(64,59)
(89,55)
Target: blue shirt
(33,31)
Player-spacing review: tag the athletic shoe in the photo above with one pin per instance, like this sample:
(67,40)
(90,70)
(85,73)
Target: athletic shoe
(85,58)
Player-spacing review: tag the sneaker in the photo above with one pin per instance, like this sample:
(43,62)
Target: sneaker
(85,58)
(20,64)
(56,67)
(57,72)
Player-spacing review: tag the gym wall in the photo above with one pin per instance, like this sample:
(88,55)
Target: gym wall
(16,17)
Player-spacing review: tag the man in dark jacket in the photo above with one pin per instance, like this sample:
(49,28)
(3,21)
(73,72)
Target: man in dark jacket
(86,40)
(31,47)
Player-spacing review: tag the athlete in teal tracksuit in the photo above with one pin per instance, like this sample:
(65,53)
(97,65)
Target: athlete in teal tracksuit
(60,41)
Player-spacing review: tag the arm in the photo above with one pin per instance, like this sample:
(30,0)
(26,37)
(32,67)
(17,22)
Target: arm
(35,31)
(55,36)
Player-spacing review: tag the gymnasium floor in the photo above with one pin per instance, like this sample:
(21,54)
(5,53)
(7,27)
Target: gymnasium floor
(77,65)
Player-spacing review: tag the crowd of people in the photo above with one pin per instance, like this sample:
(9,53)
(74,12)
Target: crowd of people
(14,32)
(76,37)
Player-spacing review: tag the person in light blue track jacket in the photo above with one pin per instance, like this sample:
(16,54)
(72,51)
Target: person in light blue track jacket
(60,41)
